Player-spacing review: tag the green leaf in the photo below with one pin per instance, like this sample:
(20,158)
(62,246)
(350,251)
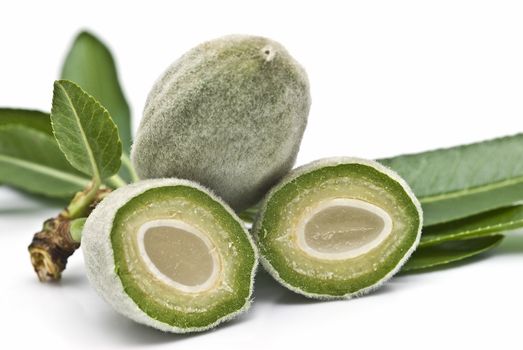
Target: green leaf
(90,64)
(31,160)
(448,252)
(84,131)
(481,225)
(457,182)
(33,119)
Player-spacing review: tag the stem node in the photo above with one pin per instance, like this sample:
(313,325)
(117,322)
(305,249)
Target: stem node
(53,245)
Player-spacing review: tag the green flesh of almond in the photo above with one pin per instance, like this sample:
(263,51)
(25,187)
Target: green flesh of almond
(356,224)
(173,256)
(165,302)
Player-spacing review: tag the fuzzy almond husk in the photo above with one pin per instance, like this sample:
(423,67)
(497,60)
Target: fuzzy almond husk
(229,114)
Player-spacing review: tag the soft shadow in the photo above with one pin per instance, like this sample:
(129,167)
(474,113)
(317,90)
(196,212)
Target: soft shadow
(70,278)
(298,299)
(73,279)
(387,288)
(268,290)
(131,333)
(512,244)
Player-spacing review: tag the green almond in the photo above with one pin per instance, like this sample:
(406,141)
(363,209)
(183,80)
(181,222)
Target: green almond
(229,114)
(337,227)
(169,254)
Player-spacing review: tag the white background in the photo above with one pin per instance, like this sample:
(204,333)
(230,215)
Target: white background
(386,78)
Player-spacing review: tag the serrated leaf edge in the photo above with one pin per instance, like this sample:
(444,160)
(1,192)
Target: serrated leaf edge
(113,126)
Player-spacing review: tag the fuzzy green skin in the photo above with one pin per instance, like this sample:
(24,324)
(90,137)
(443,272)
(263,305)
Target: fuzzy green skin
(150,306)
(227,115)
(311,175)
(109,274)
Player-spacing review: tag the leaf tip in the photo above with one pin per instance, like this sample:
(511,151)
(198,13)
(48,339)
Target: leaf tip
(87,36)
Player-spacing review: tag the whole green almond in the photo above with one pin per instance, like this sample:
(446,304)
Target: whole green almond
(169,254)
(229,114)
(338,227)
